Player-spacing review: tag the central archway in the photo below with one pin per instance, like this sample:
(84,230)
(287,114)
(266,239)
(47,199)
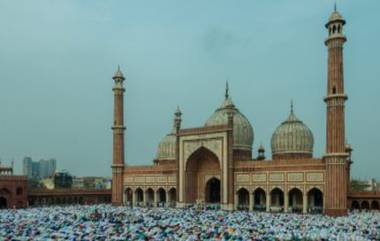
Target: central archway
(213,191)
(3,203)
(200,166)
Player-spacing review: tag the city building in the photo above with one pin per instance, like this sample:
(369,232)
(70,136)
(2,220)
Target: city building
(91,183)
(63,180)
(39,170)
(213,164)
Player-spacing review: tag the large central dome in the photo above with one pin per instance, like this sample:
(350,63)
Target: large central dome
(242,129)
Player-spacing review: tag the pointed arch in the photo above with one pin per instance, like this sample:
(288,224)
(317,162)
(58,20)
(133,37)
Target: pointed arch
(200,166)
(128,196)
(315,200)
(365,205)
(243,199)
(139,196)
(149,195)
(295,201)
(212,192)
(277,199)
(200,152)
(260,198)
(375,205)
(172,193)
(161,197)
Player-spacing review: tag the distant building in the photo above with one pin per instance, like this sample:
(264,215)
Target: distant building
(63,180)
(91,183)
(39,170)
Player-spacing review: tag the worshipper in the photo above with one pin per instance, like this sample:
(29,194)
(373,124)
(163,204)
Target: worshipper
(106,222)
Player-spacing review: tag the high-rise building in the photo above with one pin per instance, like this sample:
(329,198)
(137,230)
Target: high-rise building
(47,167)
(39,170)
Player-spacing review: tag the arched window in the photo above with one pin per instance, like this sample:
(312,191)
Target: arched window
(334,29)
(334,90)
(338,28)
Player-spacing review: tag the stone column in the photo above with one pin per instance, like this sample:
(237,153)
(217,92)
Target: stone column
(268,202)
(144,199)
(155,199)
(134,199)
(304,203)
(236,201)
(167,198)
(251,201)
(286,202)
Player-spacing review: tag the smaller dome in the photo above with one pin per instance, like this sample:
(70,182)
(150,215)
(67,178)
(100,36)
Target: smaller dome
(166,148)
(336,16)
(292,139)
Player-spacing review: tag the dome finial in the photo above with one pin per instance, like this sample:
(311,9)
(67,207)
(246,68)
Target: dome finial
(226,95)
(335,6)
(291,106)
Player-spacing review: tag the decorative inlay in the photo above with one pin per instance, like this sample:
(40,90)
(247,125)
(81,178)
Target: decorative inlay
(139,179)
(128,179)
(242,178)
(150,179)
(276,177)
(314,177)
(172,179)
(259,177)
(161,179)
(295,177)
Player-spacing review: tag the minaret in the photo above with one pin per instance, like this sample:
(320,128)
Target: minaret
(118,139)
(336,156)
(177,126)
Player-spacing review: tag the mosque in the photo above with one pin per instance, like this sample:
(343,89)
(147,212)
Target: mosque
(214,164)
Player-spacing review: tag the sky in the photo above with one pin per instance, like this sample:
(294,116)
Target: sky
(57,59)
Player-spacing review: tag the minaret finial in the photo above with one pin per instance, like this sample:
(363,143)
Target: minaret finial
(226,95)
(335,6)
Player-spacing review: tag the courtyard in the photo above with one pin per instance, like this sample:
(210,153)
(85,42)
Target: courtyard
(105,222)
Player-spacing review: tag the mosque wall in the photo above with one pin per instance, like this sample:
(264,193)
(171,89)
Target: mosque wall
(285,180)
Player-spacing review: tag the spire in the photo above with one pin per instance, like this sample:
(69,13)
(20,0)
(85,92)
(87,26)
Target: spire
(118,74)
(226,95)
(291,106)
(178,111)
(177,120)
(292,117)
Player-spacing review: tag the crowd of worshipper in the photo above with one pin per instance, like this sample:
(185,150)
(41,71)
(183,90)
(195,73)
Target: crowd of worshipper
(106,222)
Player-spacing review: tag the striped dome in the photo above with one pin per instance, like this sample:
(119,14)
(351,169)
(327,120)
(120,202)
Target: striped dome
(292,138)
(166,148)
(242,129)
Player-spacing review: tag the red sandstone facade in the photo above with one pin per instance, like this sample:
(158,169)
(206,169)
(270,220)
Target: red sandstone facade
(13,189)
(214,165)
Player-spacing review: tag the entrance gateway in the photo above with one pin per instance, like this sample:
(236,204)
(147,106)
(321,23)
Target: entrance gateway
(205,173)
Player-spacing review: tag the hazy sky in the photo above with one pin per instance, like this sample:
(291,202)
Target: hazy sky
(57,59)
